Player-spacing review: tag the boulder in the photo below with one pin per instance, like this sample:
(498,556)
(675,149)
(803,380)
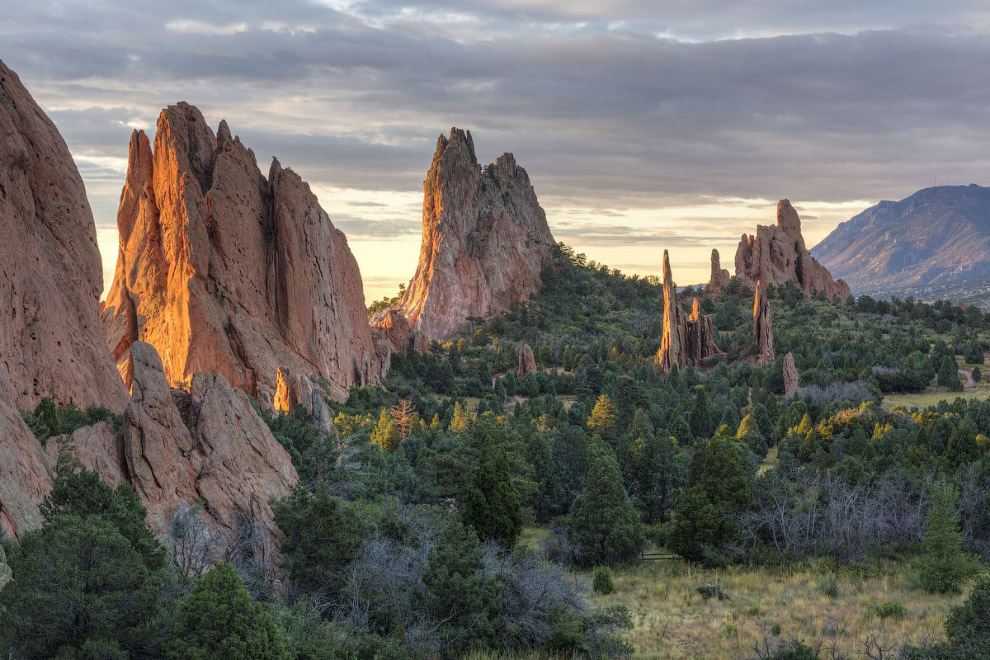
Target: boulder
(225,270)
(791,379)
(485,244)
(719,278)
(527,361)
(51,276)
(762,327)
(777,255)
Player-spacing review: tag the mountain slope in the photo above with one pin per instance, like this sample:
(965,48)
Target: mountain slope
(935,236)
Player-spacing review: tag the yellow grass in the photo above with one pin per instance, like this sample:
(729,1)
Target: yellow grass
(934,394)
(672,621)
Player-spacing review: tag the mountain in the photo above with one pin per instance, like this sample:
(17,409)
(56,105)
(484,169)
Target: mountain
(485,243)
(935,237)
(222,269)
(50,339)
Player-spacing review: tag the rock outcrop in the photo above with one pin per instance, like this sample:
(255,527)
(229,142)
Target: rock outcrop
(719,279)
(206,445)
(700,337)
(762,327)
(225,270)
(674,327)
(25,477)
(777,255)
(792,381)
(688,340)
(485,244)
(527,361)
(51,276)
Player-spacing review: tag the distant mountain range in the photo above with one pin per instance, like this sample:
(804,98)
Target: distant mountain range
(933,244)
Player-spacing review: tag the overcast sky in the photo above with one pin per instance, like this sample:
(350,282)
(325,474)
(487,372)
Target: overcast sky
(644,125)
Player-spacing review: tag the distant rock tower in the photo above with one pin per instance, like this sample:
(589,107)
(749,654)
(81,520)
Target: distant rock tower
(719,279)
(684,340)
(763,327)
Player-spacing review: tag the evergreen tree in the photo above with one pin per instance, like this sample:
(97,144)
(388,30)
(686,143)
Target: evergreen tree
(695,526)
(943,565)
(78,584)
(492,505)
(974,353)
(948,374)
(386,433)
(702,420)
(603,522)
(461,419)
(602,417)
(218,620)
(977,375)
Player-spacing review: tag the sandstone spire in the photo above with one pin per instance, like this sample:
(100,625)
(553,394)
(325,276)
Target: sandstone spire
(225,270)
(763,327)
(526,359)
(719,279)
(777,255)
(700,336)
(50,339)
(485,244)
(792,381)
(672,342)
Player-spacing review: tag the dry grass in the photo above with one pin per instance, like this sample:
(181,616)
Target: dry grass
(672,621)
(934,394)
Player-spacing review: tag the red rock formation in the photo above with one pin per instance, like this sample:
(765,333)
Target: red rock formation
(485,243)
(700,345)
(791,379)
(50,271)
(674,327)
(25,477)
(527,361)
(763,327)
(777,255)
(224,270)
(212,448)
(719,279)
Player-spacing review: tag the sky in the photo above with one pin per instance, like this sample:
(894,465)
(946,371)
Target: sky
(644,124)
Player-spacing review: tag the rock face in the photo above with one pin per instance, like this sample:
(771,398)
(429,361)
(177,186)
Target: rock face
(719,279)
(25,478)
(224,270)
(485,243)
(207,445)
(685,340)
(777,255)
(527,361)
(791,379)
(763,327)
(674,327)
(50,271)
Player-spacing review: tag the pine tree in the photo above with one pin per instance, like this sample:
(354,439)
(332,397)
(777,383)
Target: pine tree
(386,433)
(602,417)
(461,419)
(948,374)
(492,505)
(702,422)
(218,620)
(943,565)
(603,522)
(403,414)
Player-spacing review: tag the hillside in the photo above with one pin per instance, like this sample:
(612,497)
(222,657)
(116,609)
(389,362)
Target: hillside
(934,237)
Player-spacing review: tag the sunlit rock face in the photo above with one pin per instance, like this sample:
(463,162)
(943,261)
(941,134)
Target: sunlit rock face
(777,255)
(25,476)
(225,270)
(485,244)
(764,350)
(50,270)
(685,340)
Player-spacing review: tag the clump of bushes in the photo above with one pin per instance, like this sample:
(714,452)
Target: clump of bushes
(601,580)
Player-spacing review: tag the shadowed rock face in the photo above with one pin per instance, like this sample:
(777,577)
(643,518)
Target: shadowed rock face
(25,477)
(777,255)
(763,327)
(719,279)
(222,269)
(526,359)
(50,272)
(485,243)
(792,381)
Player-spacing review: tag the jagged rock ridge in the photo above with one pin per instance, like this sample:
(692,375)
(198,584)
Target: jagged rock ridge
(225,270)
(485,243)
(50,271)
(777,255)
(684,340)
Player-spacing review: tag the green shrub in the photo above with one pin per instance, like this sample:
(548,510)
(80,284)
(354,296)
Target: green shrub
(601,580)
(709,590)
(828,586)
(944,566)
(890,609)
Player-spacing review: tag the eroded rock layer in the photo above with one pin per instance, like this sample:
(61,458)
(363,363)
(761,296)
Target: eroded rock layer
(777,255)
(225,270)
(689,340)
(25,476)
(765,353)
(485,243)
(50,271)
(719,279)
